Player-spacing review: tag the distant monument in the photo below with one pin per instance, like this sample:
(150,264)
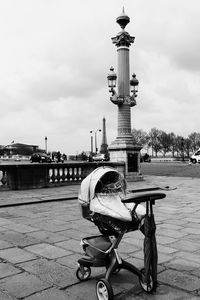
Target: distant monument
(104,144)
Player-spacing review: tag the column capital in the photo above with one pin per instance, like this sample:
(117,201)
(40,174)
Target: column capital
(123,38)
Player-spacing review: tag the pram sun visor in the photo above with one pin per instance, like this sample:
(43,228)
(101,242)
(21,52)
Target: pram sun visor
(107,203)
(88,185)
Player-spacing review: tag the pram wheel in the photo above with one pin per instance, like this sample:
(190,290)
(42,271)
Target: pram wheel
(104,290)
(83,273)
(147,287)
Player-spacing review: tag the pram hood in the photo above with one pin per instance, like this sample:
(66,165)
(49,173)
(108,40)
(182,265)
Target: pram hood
(88,186)
(103,189)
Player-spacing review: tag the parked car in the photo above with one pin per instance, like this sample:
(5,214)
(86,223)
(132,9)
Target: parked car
(5,157)
(195,158)
(40,157)
(99,157)
(145,158)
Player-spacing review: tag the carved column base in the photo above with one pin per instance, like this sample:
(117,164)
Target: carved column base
(125,151)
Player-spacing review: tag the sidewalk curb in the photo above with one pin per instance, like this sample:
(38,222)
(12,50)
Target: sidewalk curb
(38,201)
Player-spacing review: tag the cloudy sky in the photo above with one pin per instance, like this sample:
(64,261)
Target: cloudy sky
(55,56)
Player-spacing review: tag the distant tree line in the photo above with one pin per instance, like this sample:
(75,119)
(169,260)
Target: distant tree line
(158,141)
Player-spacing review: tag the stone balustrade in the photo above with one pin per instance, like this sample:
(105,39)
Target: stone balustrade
(28,176)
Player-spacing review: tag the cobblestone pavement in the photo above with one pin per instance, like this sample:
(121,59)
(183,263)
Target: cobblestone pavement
(40,244)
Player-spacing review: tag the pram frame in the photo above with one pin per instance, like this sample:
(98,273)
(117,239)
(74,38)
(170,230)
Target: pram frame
(115,261)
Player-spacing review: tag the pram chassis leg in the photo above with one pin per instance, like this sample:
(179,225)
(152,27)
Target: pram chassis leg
(113,265)
(129,267)
(117,262)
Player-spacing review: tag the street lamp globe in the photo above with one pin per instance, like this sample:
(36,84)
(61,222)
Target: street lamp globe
(112,77)
(134,83)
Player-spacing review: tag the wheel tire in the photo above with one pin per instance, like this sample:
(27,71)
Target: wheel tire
(148,288)
(83,273)
(104,290)
(194,161)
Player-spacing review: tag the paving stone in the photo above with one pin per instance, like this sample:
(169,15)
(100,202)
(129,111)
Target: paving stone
(3,229)
(196,272)
(4,221)
(22,285)
(18,239)
(46,236)
(20,228)
(48,251)
(7,269)
(50,226)
(4,245)
(176,222)
(170,226)
(192,220)
(74,234)
(124,281)
(171,233)
(73,245)
(164,239)
(69,260)
(163,292)
(127,248)
(196,226)
(16,255)
(50,294)
(179,279)
(138,263)
(191,230)
(165,249)
(182,264)
(185,245)
(138,243)
(188,256)
(4,296)
(52,272)
(161,256)
(193,237)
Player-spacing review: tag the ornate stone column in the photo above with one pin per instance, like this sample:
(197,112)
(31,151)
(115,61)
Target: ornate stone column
(122,148)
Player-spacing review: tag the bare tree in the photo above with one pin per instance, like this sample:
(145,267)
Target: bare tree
(166,142)
(195,140)
(154,140)
(140,137)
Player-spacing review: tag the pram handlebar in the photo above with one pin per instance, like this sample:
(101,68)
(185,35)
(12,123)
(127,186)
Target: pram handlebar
(143,197)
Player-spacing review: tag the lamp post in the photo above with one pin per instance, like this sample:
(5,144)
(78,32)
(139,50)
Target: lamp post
(45,143)
(123,148)
(91,143)
(95,138)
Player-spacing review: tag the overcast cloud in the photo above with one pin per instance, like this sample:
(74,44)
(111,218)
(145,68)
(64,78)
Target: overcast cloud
(55,56)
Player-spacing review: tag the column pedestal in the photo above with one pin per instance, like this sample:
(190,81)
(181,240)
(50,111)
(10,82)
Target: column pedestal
(124,151)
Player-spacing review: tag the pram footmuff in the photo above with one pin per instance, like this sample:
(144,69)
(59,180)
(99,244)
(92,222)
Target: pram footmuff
(104,200)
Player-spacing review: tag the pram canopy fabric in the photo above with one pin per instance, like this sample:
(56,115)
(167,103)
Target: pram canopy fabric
(103,189)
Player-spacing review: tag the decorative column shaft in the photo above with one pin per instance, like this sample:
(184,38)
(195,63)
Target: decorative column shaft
(124,112)
(122,148)
(122,41)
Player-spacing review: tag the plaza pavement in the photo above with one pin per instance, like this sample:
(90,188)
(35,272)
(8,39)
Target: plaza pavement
(40,244)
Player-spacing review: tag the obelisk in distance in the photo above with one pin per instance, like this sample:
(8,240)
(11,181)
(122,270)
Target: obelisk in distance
(104,144)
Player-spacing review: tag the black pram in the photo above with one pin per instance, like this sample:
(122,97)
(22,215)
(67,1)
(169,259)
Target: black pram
(104,201)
